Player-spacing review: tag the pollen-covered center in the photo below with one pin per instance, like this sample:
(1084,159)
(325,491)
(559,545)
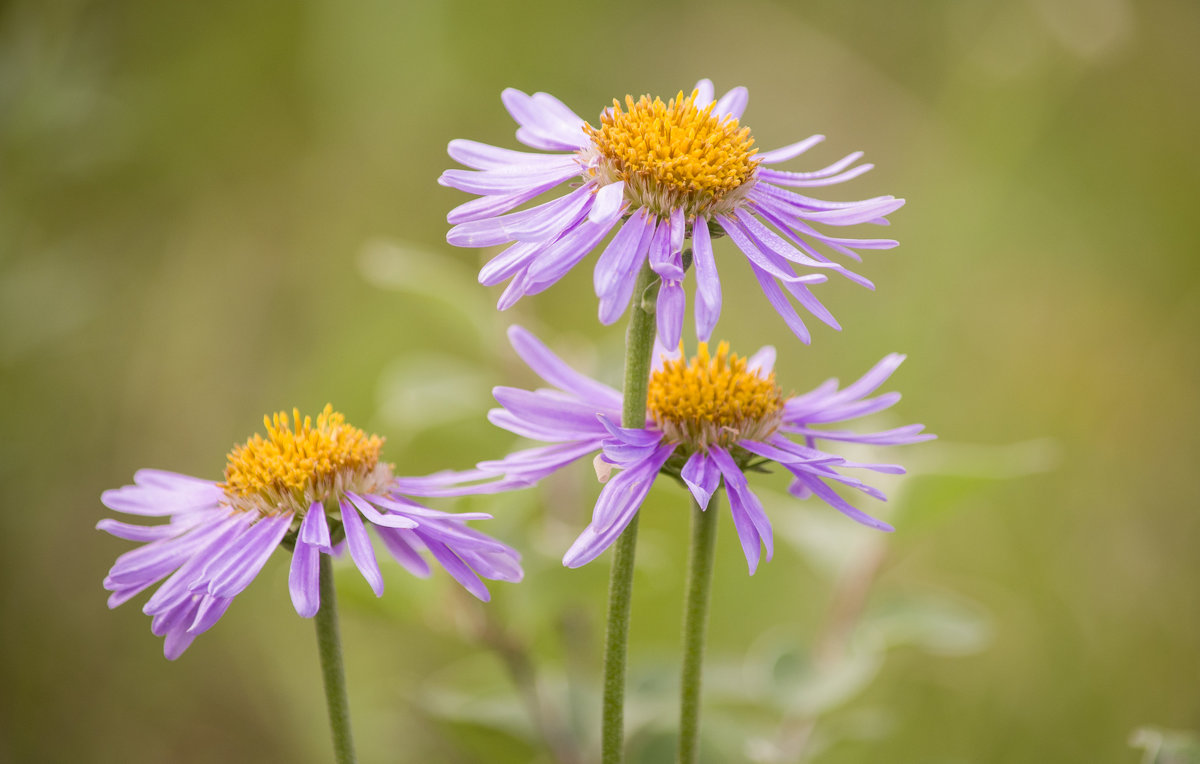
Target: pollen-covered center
(714,400)
(299,462)
(673,155)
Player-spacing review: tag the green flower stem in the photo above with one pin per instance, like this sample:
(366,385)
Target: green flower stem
(639,343)
(695,624)
(329,646)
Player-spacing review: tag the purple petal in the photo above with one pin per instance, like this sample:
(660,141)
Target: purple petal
(708,284)
(566,252)
(512,260)
(455,567)
(157,502)
(622,495)
(360,548)
(402,552)
(131,532)
(762,362)
(616,269)
(664,258)
(510,180)
(303,582)
(210,611)
(608,202)
(482,156)
(733,103)
(671,304)
(779,302)
(748,517)
(536,224)
(629,486)
(314,529)
(704,93)
(791,151)
(496,204)
(542,408)
(375,517)
(556,372)
(702,477)
(826,494)
(546,123)
(246,557)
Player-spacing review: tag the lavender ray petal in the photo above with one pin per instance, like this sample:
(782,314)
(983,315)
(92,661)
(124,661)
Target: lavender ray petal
(403,553)
(628,487)
(375,517)
(826,494)
(608,203)
(762,362)
(314,529)
(510,180)
(780,303)
(749,519)
(495,204)
(543,124)
(733,103)
(704,93)
(457,569)
(702,477)
(131,532)
(558,373)
(670,309)
(211,610)
(247,556)
(664,260)
(483,156)
(517,257)
(790,151)
(708,284)
(303,583)
(360,547)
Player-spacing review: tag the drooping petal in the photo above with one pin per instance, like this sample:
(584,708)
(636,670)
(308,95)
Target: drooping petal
(360,547)
(247,556)
(304,580)
(708,284)
(749,519)
(702,477)
(670,309)
(618,503)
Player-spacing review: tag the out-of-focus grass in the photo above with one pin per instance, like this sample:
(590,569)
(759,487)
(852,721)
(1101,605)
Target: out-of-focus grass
(187,199)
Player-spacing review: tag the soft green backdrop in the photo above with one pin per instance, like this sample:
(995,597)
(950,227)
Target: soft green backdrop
(212,211)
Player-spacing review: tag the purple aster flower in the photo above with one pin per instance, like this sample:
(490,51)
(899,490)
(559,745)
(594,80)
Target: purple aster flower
(657,174)
(305,488)
(709,419)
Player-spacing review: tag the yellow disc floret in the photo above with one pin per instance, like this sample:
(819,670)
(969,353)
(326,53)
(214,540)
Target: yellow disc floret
(714,400)
(299,462)
(673,155)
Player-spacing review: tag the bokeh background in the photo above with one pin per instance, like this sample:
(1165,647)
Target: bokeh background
(213,211)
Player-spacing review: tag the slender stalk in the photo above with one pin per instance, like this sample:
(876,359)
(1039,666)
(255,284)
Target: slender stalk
(329,646)
(639,343)
(695,625)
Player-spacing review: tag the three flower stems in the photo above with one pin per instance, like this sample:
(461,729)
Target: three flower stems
(329,647)
(639,344)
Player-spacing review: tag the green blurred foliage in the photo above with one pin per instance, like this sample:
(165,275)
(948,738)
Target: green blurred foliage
(211,212)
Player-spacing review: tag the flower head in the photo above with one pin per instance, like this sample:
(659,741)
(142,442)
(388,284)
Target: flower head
(659,174)
(709,419)
(306,485)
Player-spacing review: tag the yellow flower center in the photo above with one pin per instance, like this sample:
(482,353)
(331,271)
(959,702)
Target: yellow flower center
(299,462)
(673,155)
(714,400)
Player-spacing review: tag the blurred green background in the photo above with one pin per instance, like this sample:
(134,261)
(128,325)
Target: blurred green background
(209,212)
